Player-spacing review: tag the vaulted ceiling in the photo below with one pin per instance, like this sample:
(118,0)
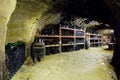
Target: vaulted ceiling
(30,14)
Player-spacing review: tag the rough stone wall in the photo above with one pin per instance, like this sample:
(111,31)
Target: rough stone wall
(26,18)
(22,24)
(46,20)
(114,5)
(28,15)
(23,20)
(6,9)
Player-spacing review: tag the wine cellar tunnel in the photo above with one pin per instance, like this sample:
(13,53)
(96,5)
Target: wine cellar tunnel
(23,20)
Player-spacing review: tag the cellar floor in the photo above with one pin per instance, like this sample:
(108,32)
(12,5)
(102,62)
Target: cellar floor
(91,64)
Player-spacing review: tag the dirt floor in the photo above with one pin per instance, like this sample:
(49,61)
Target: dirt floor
(91,64)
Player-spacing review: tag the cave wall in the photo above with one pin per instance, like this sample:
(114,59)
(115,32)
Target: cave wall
(23,20)
(114,6)
(46,20)
(28,15)
(26,18)
(6,9)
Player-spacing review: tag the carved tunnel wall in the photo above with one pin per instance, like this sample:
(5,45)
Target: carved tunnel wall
(31,14)
(5,13)
(26,18)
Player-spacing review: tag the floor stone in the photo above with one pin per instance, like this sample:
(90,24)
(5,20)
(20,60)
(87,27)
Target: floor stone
(91,64)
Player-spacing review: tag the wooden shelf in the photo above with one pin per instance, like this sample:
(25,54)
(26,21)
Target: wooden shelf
(91,43)
(67,44)
(79,30)
(95,40)
(52,45)
(37,47)
(67,28)
(49,36)
(79,36)
(79,44)
(67,36)
(62,37)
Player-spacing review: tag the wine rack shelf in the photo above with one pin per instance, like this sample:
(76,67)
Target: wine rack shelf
(65,39)
(95,40)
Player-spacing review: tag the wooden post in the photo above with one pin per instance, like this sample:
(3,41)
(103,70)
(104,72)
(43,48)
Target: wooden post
(60,42)
(74,39)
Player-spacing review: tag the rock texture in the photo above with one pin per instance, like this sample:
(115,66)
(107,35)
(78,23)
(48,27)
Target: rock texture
(88,64)
(26,18)
(23,22)
(6,9)
(32,14)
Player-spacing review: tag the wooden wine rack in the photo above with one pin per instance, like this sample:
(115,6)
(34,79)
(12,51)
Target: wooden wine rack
(75,44)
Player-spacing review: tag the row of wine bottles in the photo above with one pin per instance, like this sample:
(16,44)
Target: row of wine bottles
(67,33)
(52,50)
(64,41)
(95,36)
(78,47)
(80,40)
(51,41)
(55,50)
(50,32)
(79,33)
(71,26)
(67,41)
(71,33)
(67,48)
(55,31)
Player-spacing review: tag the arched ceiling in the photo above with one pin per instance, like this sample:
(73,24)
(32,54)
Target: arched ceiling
(101,10)
(28,12)
(94,9)
(24,19)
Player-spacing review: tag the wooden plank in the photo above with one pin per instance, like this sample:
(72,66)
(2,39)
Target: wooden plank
(93,38)
(37,47)
(48,36)
(67,28)
(57,45)
(79,36)
(67,44)
(67,36)
(80,30)
(79,44)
